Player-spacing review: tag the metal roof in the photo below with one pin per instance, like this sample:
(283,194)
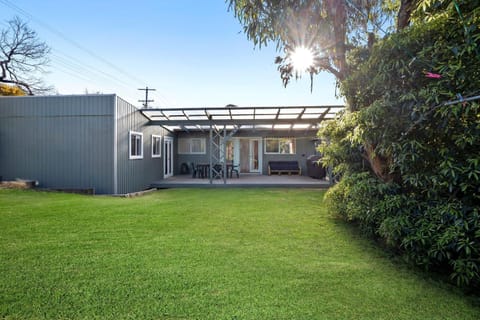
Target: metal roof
(233,117)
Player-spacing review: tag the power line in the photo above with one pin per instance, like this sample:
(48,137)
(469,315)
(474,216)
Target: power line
(78,69)
(77,65)
(64,37)
(82,66)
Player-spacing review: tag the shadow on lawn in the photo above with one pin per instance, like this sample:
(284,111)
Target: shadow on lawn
(377,247)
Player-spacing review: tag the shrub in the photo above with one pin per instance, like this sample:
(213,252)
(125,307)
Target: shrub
(357,197)
(442,235)
(425,200)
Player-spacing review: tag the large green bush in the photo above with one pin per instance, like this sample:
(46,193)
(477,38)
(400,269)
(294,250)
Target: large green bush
(415,123)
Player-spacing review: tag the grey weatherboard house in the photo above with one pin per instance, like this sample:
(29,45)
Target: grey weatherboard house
(77,142)
(102,142)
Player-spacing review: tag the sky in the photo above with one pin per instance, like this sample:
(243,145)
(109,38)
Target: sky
(193,52)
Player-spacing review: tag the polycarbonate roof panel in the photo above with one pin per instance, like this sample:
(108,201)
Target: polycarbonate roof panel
(282,117)
(288,116)
(268,111)
(301,126)
(265,116)
(292,111)
(282,126)
(310,116)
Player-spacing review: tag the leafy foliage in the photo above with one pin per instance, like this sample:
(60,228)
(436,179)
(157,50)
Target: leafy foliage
(408,148)
(408,108)
(329,28)
(6,90)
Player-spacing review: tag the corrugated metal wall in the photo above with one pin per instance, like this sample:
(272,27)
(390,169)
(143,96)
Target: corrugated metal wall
(136,174)
(61,141)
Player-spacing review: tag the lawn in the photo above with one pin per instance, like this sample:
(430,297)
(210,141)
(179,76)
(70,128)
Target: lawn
(202,254)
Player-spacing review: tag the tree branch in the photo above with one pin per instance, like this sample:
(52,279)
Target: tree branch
(22,57)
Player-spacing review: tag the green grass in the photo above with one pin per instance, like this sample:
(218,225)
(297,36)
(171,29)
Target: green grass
(202,254)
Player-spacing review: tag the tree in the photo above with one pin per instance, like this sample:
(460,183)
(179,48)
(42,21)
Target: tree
(417,103)
(22,57)
(413,115)
(329,29)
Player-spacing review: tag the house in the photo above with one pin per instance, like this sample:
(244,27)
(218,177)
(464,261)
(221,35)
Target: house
(102,142)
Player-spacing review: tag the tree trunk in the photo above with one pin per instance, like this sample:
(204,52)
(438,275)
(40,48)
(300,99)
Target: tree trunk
(405,13)
(379,165)
(338,12)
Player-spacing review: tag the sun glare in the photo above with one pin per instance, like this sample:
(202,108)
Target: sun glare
(302,59)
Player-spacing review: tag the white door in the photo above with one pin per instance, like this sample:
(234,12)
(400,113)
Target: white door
(255,157)
(168,162)
(250,155)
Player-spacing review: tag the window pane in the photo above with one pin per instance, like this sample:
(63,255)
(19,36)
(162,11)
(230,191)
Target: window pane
(197,146)
(191,145)
(156,146)
(183,145)
(132,145)
(136,145)
(255,155)
(271,145)
(287,145)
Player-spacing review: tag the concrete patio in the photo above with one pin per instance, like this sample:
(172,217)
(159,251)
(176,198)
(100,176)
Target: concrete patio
(245,181)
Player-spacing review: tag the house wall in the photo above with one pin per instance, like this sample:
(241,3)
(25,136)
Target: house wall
(304,147)
(61,141)
(189,158)
(135,174)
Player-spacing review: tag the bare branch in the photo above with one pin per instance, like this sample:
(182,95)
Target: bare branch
(23,57)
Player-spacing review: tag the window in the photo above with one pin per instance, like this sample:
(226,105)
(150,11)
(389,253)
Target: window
(136,145)
(156,146)
(280,145)
(191,146)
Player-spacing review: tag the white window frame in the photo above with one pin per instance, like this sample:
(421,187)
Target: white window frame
(135,156)
(203,144)
(278,141)
(159,137)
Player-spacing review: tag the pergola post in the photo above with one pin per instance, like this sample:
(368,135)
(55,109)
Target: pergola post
(217,153)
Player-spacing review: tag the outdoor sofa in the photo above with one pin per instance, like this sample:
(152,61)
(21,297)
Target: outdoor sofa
(280,167)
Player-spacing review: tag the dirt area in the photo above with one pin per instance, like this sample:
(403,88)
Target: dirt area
(18,184)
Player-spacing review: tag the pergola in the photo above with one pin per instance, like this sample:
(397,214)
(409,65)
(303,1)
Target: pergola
(258,118)
(222,123)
